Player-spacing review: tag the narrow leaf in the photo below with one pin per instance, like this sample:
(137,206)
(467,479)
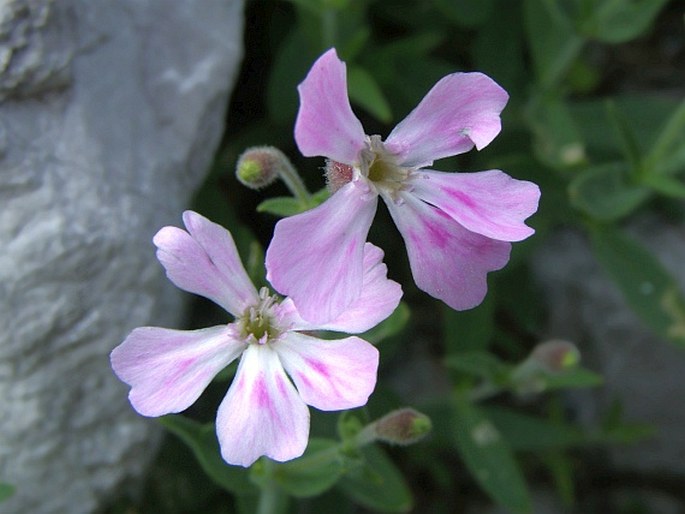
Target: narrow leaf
(489,458)
(604,192)
(524,432)
(647,286)
(315,472)
(364,90)
(378,484)
(282,206)
(201,439)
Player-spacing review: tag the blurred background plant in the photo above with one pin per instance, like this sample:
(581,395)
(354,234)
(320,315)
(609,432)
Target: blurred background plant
(596,117)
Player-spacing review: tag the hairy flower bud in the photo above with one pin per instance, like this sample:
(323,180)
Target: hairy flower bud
(402,426)
(556,355)
(337,175)
(260,166)
(548,358)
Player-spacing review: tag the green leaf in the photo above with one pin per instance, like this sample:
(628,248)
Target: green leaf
(282,206)
(316,471)
(201,439)
(489,458)
(619,21)
(377,484)
(6,490)
(604,193)
(529,433)
(467,13)
(576,378)
(558,141)
(390,326)
(562,469)
(666,185)
(625,134)
(293,60)
(364,90)
(661,153)
(469,330)
(552,39)
(647,286)
(480,365)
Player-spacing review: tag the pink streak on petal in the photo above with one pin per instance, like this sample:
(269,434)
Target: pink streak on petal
(317,257)
(262,413)
(447,261)
(325,123)
(168,369)
(205,261)
(330,375)
(460,111)
(490,203)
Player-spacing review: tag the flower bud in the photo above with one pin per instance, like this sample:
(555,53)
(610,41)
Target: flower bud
(556,355)
(549,358)
(337,175)
(403,426)
(260,166)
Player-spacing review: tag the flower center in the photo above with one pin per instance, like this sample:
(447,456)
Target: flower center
(381,167)
(258,324)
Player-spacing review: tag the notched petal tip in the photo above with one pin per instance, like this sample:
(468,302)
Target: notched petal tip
(325,124)
(460,111)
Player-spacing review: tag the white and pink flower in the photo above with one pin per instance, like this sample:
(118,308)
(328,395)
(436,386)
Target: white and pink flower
(457,227)
(282,369)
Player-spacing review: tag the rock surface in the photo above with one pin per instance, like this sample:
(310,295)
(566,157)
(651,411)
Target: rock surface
(110,113)
(644,372)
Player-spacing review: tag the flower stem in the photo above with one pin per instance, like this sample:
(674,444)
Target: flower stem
(270,496)
(294,183)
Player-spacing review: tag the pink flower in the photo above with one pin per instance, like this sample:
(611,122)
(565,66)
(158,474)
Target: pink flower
(457,226)
(264,411)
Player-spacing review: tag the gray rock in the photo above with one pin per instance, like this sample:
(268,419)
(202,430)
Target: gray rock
(110,115)
(644,372)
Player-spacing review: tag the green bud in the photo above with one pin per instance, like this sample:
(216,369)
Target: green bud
(556,355)
(260,166)
(403,426)
(548,358)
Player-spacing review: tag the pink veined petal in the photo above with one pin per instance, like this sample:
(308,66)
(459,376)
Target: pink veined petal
(447,261)
(325,123)
(490,203)
(316,258)
(205,261)
(378,299)
(460,111)
(330,375)
(168,369)
(262,413)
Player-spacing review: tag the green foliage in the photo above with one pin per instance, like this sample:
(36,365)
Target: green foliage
(202,441)
(488,457)
(377,484)
(646,285)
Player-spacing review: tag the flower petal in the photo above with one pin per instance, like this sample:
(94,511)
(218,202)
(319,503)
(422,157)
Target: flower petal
(447,261)
(316,257)
(378,299)
(168,369)
(205,261)
(490,203)
(325,123)
(460,111)
(262,414)
(330,375)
